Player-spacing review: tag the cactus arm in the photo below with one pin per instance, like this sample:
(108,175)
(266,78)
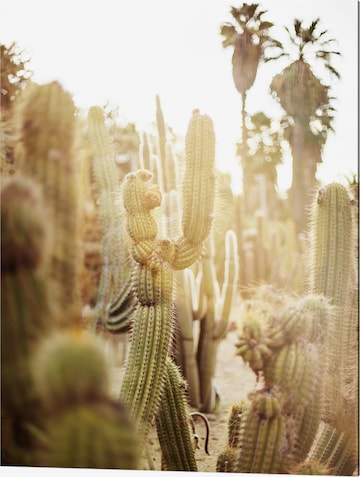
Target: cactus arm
(173,424)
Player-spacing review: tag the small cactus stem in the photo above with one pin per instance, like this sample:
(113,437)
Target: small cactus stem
(262,445)
(114,253)
(160,122)
(45,120)
(171,171)
(145,153)
(231,277)
(227,461)
(184,307)
(173,423)
(234,423)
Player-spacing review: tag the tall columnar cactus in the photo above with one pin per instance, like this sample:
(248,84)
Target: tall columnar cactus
(115,281)
(156,259)
(28,311)
(45,121)
(333,273)
(84,427)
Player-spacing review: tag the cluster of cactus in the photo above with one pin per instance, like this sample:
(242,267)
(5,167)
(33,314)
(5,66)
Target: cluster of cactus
(196,361)
(156,260)
(333,273)
(56,406)
(303,351)
(270,251)
(283,347)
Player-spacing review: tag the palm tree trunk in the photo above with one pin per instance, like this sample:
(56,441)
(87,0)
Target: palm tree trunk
(298,192)
(245,154)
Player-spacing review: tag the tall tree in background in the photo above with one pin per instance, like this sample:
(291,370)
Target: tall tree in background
(15,75)
(265,138)
(307,103)
(249,36)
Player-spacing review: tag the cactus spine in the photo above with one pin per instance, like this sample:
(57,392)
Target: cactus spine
(46,122)
(156,259)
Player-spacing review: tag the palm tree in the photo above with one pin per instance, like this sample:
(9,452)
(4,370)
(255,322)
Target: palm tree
(307,102)
(249,37)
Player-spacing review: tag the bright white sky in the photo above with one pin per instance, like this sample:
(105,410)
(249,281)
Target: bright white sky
(127,51)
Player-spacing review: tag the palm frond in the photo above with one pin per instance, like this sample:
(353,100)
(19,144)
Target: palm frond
(298,27)
(313,26)
(265,25)
(266,59)
(229,32)
(332,70)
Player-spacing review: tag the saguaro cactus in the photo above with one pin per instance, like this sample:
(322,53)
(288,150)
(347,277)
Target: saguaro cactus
(156,259)
(45,122)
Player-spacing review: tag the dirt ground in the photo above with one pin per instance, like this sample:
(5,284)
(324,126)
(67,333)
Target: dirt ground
(233,381)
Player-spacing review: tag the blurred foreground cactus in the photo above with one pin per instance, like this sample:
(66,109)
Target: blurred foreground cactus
(84,426)
(27,312)
(45,120)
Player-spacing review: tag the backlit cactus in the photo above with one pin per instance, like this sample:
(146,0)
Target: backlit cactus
(114,296)
(45,121)
(279,344)
(333,273)
(153,276)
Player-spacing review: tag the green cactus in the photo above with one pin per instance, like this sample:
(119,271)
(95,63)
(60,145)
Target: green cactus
(114,297)
(45,121)
(332,272)
(84,427)
(156,259)
(28,310)
(173,423)
(213,326)
(282,344)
